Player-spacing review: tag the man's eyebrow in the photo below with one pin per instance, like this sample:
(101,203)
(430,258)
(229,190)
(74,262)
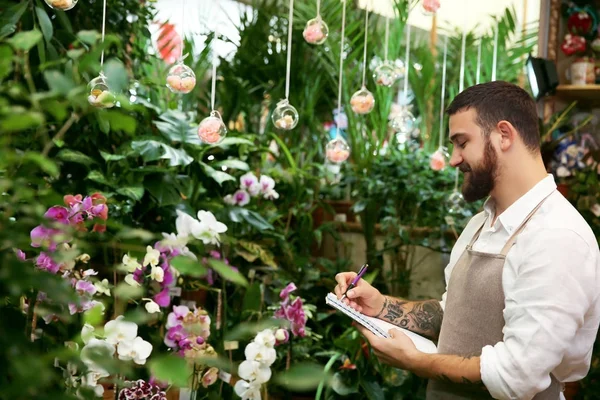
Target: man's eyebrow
(456,136)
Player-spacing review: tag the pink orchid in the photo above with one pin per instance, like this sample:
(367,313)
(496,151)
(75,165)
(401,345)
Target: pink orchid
(71,200)
(46,263)
(58,213)
(83,287)
(42,236)
(20,254)
(438,161)
(163,299)
(285,292)
(241,197)
(177,315)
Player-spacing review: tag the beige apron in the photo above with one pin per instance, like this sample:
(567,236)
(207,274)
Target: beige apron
(473,316)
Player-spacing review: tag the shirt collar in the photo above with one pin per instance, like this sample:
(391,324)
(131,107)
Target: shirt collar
(514,215)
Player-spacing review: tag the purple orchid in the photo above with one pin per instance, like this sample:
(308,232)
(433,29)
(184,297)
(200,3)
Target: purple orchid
(59,214)
(285,292)
(46,263)
(162,298)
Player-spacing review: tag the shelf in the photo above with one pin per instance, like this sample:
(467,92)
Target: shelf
(579,92)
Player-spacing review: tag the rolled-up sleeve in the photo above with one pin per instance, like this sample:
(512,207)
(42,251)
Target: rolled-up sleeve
(553,289)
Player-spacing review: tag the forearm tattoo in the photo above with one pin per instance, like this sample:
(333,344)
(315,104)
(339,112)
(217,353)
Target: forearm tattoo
(423,317)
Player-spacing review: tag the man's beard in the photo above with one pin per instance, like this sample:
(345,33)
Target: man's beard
(479,180)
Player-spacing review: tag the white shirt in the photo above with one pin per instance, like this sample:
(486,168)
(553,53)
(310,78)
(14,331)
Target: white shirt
(551,283)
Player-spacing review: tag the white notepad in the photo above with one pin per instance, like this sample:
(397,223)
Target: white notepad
(380,327)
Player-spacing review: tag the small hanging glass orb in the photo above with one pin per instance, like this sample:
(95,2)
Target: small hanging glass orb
(337,150)
(439,159)
(285,116)
(455,203)
(212,129)
(362,102)
(430,7)
(63,5)
(181,79)
(316,31)
(401,138)
(100,95)
(404,123)
(386,74)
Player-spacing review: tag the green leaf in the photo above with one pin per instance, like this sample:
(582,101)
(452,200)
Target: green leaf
(133,192)
(239,214)
(162,188)
(94,315)
(97,176)
(127,292)
(75,157)
(230,141)
(88,37)
(218,176)
(75,53)
(177,127)
(372,389)
(252,298)
(55,108)
(112,157)
(171,369)
(302,377)
(25,40)
(343,386)
(21,121)
(116,76)
(11,17)
(234,164)
(45,23)
(6,64)
(120,122)
(58,82)
(45,164)
(227,272)
(188,266)
(152,150)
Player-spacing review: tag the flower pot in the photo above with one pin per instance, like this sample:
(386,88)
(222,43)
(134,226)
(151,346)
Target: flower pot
(582,71)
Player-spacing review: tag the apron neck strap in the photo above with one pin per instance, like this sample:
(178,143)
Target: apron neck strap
(511,241)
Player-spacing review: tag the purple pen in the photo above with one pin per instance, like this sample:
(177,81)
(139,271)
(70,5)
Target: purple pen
(361,272)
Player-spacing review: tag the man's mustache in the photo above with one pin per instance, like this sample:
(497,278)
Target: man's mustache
(464,168)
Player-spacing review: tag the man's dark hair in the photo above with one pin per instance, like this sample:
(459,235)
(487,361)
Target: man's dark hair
(497,101)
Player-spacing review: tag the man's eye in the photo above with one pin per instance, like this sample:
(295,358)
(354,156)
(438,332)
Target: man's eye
(462,145)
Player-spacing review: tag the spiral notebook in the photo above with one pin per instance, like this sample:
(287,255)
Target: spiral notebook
(379,327)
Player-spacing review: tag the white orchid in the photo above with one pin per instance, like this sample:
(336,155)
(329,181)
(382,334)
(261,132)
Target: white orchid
(185,224)
(130,280)
(152,307)
(266,184)
(265,338)
(103,287)
(209,229)
(130,264)
(229,199)
(176,242)
(248,180)
(157,274)
(118,330)
(96,349)
(137,350)
(271,195)
(254,371)
(87,333)
(89,272)
(263,354)
(152,257)
(246,390)
(91,380)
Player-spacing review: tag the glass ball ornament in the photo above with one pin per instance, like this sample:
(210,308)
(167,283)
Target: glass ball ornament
(386,74)
(455,203)
(285,116)
(63,5)
(430,7)
(362,101)
(212,129)
(439,159)
(181,79)
(337,151)
(100,95)
(316,31)
(404,123)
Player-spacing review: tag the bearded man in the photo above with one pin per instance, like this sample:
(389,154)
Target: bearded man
(521,309)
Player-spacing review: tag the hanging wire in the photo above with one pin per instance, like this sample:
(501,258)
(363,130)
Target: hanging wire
(461,84)
(364,77)
(214,61)
(103,30)
(478,75)
(318,8)
(456,179)
(495,59)
(289,51)
(182,29)
(387,37)
(443,96)
(337,130)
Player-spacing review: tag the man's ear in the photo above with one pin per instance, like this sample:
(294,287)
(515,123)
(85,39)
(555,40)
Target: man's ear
(508,134)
